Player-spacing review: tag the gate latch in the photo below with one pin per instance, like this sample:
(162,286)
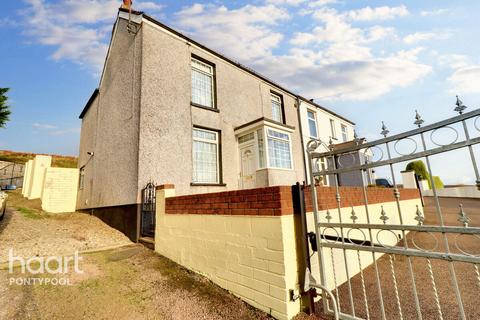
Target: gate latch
(312,238)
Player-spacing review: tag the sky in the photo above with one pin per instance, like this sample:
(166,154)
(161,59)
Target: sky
(370,61)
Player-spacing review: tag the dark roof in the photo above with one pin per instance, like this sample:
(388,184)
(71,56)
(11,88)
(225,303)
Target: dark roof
(221,56)
(89,103)
(264,119)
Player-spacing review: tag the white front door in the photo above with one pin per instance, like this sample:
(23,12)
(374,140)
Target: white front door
(248,167)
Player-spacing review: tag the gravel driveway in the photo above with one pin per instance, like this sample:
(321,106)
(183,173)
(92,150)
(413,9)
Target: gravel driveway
(466,276)
(30,234)
(125,282)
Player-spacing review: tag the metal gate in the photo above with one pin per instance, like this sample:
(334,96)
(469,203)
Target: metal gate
(429,285)
(148,210)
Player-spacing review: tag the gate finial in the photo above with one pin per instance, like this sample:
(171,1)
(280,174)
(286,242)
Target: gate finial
(463,218)
(418,119)
(419,217)
(460,106)
(385,131)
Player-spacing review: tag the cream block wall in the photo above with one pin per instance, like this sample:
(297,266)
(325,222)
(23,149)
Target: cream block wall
(408,209)
(39,165)
(60,190)
(25,175)
(27,178)
(253,257)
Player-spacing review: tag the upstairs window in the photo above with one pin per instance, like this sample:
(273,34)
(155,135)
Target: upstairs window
(277,112)
(202,84)
(312,124)
(205,156)
(278,149)
(332,129)
(344,133)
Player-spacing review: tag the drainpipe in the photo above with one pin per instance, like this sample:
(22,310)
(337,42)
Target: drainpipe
(301,141)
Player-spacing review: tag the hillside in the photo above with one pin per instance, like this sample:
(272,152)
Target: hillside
(22,157)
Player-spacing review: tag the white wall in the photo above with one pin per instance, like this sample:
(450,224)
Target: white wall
(457,192)
(323,127)
(37,176)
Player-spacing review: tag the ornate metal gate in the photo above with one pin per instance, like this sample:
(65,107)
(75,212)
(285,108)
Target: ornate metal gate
(430,285)
(148,210)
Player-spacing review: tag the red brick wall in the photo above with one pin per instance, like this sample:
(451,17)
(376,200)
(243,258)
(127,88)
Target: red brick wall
(353,196)
(271,201)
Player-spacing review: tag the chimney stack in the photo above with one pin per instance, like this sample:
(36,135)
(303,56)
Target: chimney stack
(127,4)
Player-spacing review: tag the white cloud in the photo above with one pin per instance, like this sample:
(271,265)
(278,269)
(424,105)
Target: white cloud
(286,2)
(454,61)
(246,32)
(307,72)
(435,12)
(320,3)
(77,30)
(424,36)
(466,79)
(67,131)
(45,126)
(378,13)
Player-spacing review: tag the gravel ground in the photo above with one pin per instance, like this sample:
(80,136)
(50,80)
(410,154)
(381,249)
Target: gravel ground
(468,282)
(30,233)
(128,282)
(125,283)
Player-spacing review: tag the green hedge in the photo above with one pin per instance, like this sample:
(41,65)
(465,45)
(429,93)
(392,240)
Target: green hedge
(421,171)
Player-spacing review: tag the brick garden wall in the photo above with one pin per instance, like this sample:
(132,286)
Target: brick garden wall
(271,201)
(353,196)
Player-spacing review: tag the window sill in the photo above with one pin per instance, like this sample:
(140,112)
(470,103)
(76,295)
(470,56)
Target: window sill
(195,184)
(204,107)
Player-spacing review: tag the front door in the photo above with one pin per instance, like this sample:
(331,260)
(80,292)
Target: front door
(247,174)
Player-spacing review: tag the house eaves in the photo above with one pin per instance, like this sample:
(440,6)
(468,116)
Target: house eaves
(89,103)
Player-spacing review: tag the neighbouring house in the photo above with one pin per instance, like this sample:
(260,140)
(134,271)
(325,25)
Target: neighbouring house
(170,110)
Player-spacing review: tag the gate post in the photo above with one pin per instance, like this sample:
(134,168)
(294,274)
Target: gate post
(162,192)
(300,219)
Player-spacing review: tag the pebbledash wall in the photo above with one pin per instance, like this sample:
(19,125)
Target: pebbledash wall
(248,241)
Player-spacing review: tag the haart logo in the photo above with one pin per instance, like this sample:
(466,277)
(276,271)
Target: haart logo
(52,265)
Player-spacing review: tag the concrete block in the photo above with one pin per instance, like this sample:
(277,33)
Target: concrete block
(279,293)
(274,303)
(60,190)
(40,164)
(239,225)
(266,254)
(278,268)
(271,278)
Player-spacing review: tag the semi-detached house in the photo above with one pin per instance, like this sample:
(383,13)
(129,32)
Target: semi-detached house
(170,110)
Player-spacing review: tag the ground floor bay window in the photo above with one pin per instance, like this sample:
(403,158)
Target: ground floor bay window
(264,147)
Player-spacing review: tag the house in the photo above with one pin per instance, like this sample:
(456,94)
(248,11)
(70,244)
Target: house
(170,110)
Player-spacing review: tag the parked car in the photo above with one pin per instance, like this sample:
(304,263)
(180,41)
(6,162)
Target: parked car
(3,204)
(382,182)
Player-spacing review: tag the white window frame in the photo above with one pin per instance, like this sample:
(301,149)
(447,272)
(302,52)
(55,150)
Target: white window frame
(333,129)
(267,153)
(309,111)
(344,129)
(276,99)
(216,142)
(210,73)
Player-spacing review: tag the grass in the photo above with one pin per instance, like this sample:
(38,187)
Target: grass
(29,213)
(58,161)
(28,208)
